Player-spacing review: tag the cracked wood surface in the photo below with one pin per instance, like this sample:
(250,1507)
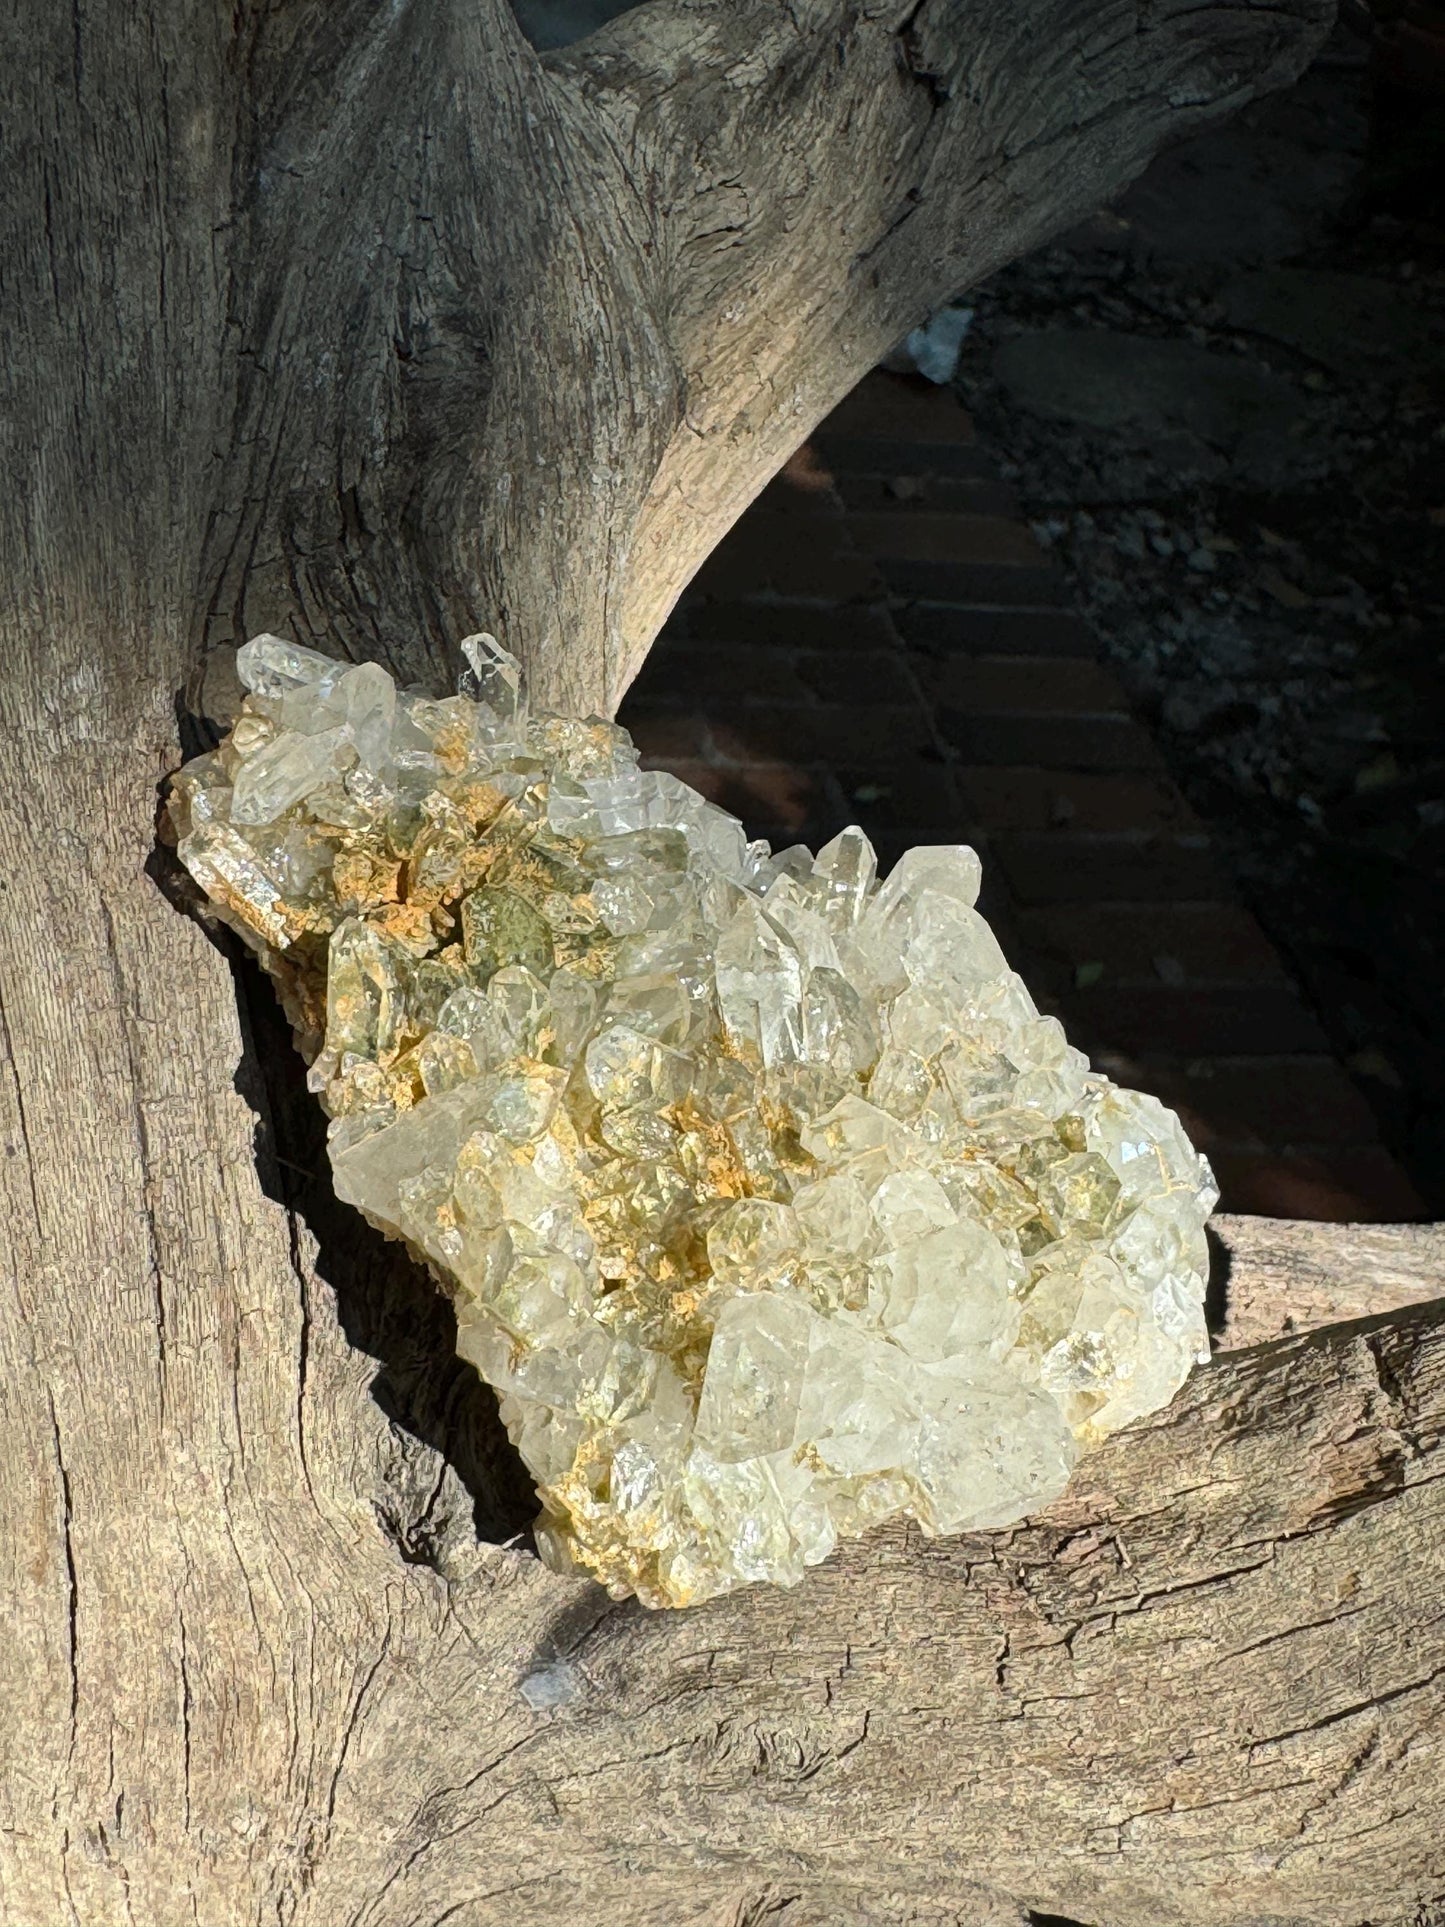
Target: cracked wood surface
(363,323)
(1286,1276)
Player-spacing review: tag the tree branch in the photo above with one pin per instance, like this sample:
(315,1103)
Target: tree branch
(820,175)
(1286,1277)
(699,227)
(1208,1685)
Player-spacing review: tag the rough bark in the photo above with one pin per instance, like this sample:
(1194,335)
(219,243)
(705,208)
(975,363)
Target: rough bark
(362,322)
(1280,1276)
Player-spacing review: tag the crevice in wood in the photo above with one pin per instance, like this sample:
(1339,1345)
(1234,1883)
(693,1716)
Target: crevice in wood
(72,1587)
(440,1413)
(389,1307)
(1216,1292)
(916,62)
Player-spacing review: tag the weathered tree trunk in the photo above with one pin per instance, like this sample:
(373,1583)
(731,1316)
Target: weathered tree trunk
(357,320)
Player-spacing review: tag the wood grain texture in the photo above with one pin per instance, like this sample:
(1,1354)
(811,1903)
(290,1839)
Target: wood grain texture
(363,323)
(1286,1276)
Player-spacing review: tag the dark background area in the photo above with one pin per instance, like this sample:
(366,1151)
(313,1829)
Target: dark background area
(1221,404)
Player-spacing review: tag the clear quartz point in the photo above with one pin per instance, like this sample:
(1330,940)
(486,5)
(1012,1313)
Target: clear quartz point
(493,675)
(270,666)
(769,1203)
(849,869)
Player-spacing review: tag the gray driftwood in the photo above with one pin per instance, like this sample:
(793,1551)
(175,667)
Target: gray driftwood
(1282,1277)
(355,320)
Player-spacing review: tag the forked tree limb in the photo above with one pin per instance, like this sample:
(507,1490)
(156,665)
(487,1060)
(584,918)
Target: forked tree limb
(512,342)
(288,293)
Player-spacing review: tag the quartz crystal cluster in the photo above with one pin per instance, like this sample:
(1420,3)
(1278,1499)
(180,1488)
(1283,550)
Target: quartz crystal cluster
(769,1203)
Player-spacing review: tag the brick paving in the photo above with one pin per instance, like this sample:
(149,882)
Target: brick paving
(880,641)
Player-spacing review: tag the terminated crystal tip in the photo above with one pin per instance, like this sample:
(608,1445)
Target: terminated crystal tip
(770,1204)
(492,675)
